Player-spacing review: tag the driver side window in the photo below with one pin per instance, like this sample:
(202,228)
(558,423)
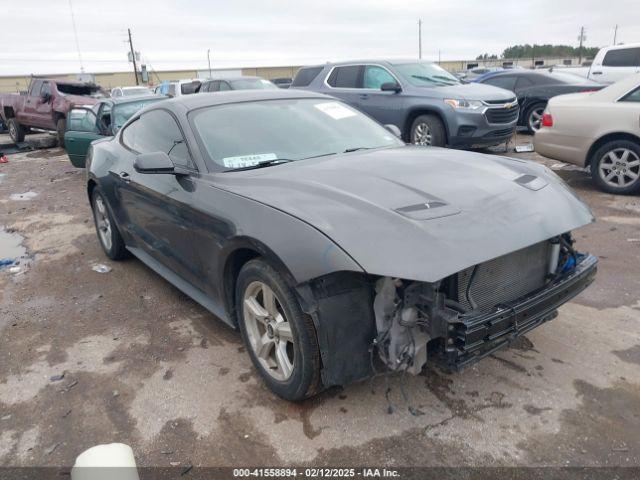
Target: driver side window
(375,76)
(157,131)
(82,120)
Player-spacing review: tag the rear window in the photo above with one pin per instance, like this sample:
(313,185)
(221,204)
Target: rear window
(622,57)
(305,76)
(345,77)
(75,89)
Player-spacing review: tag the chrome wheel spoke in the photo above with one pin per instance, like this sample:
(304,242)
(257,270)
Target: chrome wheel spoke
(256,310)
(284,332)
(263,350)
(282,359)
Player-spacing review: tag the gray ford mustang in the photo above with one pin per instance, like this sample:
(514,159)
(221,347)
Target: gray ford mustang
(330,244)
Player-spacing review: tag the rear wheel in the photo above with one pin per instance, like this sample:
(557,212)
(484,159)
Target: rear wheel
(16,132)
(108,234)
(61,128)
(280,338)
(534,117)
(428,130)
(615,167)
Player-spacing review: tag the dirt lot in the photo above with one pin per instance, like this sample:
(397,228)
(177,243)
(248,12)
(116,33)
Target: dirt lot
(146,366)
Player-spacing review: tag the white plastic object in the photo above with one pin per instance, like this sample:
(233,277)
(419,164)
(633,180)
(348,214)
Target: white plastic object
(114,461)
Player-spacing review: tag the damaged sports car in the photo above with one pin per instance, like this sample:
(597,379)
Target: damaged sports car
(330,244)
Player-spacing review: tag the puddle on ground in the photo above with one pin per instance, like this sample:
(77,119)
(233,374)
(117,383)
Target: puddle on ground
(23,196)
(13,254)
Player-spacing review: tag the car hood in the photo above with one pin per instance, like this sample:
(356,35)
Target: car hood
(473,91)
(418,213)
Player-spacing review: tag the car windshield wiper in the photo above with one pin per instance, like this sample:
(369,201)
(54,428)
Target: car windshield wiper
(264,163)
(355,149)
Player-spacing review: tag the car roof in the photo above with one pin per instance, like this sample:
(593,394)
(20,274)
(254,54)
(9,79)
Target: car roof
(195,101)
(232,79)
(397,61)
(132,98)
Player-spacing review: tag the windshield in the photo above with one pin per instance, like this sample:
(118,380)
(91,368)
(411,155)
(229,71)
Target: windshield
(124,111)
(130,92)
(242,135)
(426,74)
(252,84)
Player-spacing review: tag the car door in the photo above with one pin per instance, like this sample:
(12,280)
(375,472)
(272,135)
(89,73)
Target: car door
(155,208)
(30,103)
(384,106)
(616,64)
(82,129)
(43,114)
(344,83)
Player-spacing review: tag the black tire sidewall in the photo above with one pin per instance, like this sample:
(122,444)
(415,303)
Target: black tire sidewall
(61,127)
(438,135)
(118,250)
(304,380)
(595,167)
(528,116)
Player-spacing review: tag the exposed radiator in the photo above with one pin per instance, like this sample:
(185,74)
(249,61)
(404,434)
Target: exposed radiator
(505,278)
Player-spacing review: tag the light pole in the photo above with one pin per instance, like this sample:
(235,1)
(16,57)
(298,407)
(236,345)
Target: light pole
(209,61)
(420,38)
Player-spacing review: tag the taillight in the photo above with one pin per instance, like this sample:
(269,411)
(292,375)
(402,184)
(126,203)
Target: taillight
(547,120)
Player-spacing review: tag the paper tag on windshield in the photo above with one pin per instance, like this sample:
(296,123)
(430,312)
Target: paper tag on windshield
(248,160)
(335,110)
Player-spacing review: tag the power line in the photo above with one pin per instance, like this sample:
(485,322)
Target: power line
(75,33)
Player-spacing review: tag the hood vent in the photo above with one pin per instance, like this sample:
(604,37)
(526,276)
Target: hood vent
(531,182)
(428,210)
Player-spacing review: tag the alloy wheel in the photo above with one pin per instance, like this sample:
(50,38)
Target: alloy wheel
(535,118)
(103,223)
(422,135)
(619,168)
(268,330)
(13,132)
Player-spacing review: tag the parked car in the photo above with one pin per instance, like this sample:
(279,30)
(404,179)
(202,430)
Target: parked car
(235,83)
(130,92)
(178,88)
(101,120)
(428,104)
(612,64)
(600,130)
(45,106)
(476,72)
(324,238)
(534,88)
(283,82)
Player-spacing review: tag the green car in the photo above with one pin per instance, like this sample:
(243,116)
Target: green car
(104,119)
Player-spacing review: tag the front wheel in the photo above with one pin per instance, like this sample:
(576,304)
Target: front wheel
(615,167)
(427,130)
(108,234)
(16,131)
(534,117)
(280,337)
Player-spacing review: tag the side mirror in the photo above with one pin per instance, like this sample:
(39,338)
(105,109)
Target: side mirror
(46,97)
(154,162)
(391,87)
(393,129)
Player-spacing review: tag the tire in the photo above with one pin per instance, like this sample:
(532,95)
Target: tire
(16,132)
(108,234)
(61,128)
(289,362)
(428,130)
(533,117)
(615,167)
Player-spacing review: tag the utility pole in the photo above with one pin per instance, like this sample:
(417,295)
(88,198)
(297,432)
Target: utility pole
(420,38)
(615,34)
(209,61)
(582,37)
(133,58)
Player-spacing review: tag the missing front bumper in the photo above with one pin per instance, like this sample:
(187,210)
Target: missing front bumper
(473,337)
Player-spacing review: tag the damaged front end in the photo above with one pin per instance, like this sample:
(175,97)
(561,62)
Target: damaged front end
(472,313)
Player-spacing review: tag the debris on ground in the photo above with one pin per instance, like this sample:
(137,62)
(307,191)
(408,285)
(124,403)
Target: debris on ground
(101,268)
(23,196)
(52,449)
(57,378)
(4,159)
(527,147)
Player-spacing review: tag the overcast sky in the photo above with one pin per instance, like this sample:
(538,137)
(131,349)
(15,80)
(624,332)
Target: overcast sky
(37,35)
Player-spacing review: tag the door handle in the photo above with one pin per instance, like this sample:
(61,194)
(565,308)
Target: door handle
(597,73)
(364,96)
(124,176)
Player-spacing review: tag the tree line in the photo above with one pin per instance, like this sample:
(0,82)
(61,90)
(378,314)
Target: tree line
(548,50)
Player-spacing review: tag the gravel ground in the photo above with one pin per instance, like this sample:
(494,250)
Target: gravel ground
(144,365)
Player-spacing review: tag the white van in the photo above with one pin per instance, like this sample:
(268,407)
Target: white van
(614,63)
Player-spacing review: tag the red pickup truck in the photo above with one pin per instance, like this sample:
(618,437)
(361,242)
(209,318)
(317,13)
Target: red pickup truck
(45,106)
